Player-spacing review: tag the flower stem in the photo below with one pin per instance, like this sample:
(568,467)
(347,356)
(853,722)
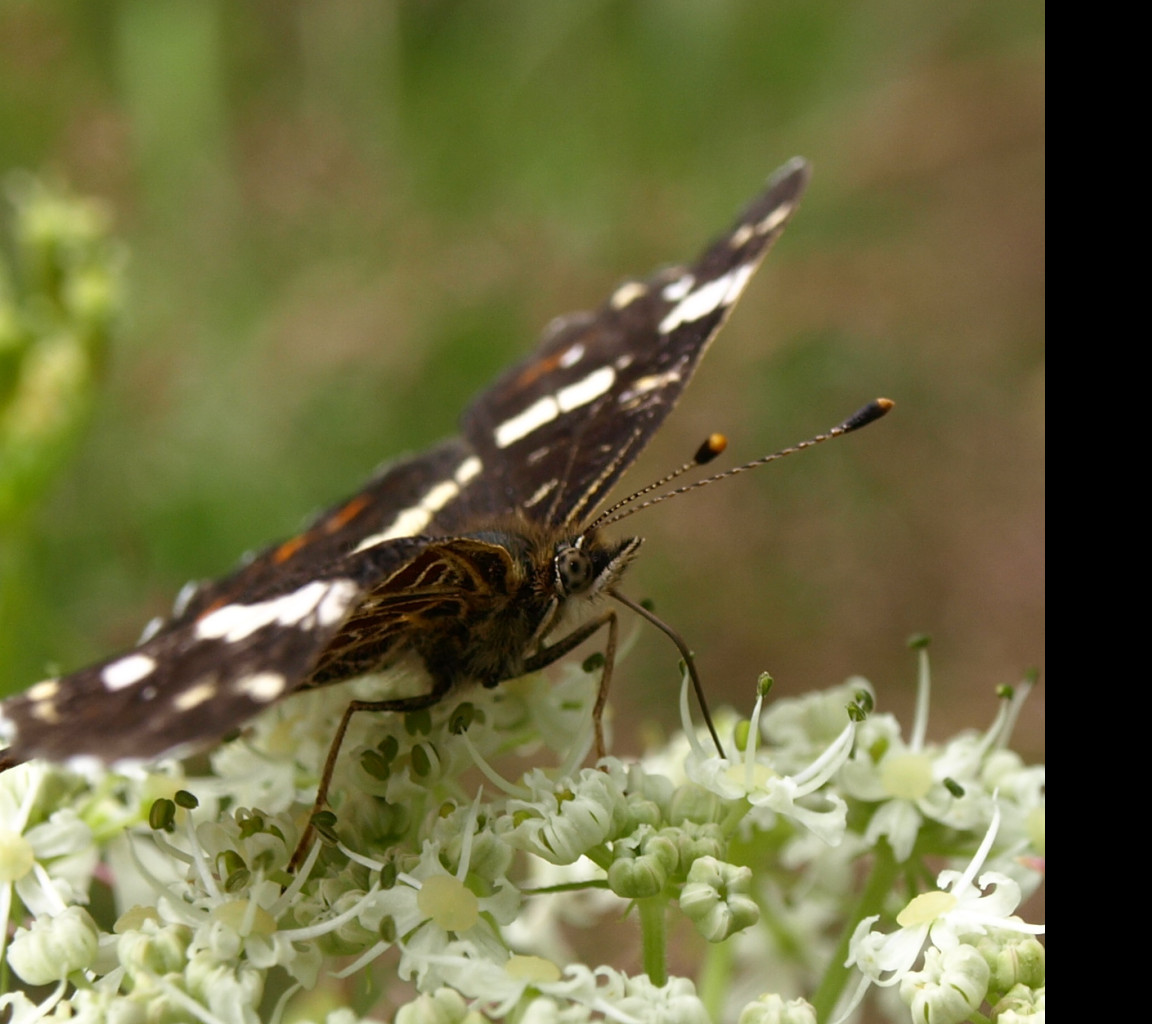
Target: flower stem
(715,978)
(885,870)
(655,937)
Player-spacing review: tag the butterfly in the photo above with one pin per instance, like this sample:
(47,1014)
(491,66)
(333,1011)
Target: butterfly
(469,556)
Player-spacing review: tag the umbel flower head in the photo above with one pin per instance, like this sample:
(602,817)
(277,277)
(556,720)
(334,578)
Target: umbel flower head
(471,894)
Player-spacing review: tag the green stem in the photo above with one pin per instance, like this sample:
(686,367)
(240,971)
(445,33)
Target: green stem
(885,871)
(655,936)
(716,978)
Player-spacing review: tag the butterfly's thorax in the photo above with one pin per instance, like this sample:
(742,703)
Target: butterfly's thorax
(475,607)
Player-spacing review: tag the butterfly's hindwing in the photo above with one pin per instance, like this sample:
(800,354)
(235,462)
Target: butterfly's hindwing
(448,553)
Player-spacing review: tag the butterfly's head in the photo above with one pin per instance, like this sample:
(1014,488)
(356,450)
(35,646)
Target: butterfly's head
(587,566)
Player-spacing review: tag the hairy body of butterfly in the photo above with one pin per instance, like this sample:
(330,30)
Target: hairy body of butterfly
(471,556)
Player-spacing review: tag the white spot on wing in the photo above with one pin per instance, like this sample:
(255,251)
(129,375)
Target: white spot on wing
(151,628)
(415,518)
(407,524)
(541,493)
(314,604)
(44,690)
(469,468)
(187,592)
(708,298)
(627,293)
(572,356)
(334,605)
(542,411)
(777,217)
(649,383)
(675,291)
(546,409)
(127,671)
(741,235)
(194,696)
(262,686)
(586,390)
(45,710)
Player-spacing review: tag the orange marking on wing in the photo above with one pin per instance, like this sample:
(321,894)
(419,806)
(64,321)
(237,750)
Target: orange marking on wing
(342,517)
(220,602)
(537,370)
(289,548)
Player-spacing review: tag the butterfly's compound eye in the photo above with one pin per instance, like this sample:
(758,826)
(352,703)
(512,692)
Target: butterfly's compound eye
(573,570)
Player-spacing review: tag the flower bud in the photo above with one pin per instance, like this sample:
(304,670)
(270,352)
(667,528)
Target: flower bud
(772,1009)
(714,898)
(949,988)
(54,947)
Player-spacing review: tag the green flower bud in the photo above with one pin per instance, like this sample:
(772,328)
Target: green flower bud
(772,1009)
(636,877)
(950,987)
(694,803)
(715,898)
(1014,959)
(223,986)
(1021,1005)
(151,948)
(695,841)
(54,947)
(445,1006)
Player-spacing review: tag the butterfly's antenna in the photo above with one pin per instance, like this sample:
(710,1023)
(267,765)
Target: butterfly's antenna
(869,414)
(713,445)
(675,637)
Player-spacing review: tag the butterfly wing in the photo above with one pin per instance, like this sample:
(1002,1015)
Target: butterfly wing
(194,682)
(392,505)
(556,432)
(184,686)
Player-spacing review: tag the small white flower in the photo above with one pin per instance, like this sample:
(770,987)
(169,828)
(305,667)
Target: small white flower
(563,821)
(915,782)
(753,779)
(48,864)
(674,1002)
(432,907)
(959,909)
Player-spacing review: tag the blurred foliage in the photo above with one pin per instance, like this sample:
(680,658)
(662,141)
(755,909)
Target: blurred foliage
(345,217)
(58,300)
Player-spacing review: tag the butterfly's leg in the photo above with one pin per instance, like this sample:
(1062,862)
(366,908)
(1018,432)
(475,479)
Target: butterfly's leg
(401,704)
(553,652)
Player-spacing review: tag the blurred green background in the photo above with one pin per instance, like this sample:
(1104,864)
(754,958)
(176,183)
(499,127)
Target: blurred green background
(343,218)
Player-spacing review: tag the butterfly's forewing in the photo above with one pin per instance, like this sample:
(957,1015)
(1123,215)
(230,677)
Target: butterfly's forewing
(389,506)
(556,432)
(547,439)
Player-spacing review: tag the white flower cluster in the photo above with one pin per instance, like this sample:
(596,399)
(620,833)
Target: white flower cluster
(444,892)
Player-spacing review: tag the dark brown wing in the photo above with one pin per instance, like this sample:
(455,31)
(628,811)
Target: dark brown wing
(556,432)
(192,684)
